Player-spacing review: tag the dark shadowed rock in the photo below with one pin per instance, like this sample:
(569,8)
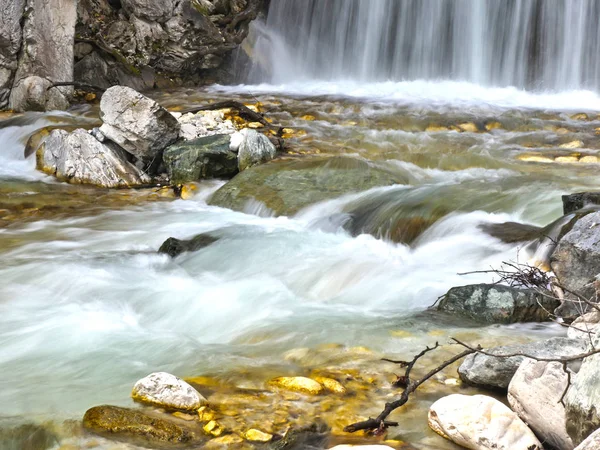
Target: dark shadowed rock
(497,372)
(175,247)
(575,202)
(206,157)
(310,437)
(495,303)
(25,437)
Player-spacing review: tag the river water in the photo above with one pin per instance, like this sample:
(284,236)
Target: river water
(87,306)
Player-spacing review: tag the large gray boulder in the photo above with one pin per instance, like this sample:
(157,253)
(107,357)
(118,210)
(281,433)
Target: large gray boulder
(79,158)
(497,372)
(206,157)
(11,13)
(479,422)
(576,260)
(137,123)
(46,49)
(535,394)
(255,149)
(34,94)
(583,398)
(495,303)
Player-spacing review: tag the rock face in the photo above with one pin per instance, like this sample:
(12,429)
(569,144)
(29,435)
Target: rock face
(79,158)
(207,157)
(494,303)
(576,260)
(46,52)
(124,423)
(25,436)
(254,149)
(534,394)
(175,247)
(168,391)
(153,10)
(136,123)
(11,34)
(496,373)
(591,443)
(583,398)
(288,186)
(480,422)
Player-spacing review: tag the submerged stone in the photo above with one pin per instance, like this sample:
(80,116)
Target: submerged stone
(175,247)
(494,303)
(298,384)
(258,436)
(285,187)
(135,425)
(26,436)
(206,157)
(311,436)
(575,202)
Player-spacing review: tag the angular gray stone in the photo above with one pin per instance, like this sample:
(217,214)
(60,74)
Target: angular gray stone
(154,10)
(137,123)
(11,13)
(255,149)
(575,202)
(169,391)
(495,303)
(576,260)
(496,373)
(591,443)
(583,398)
(78,158)
(175,247)
(585,327)
(206,157)
(32,94)
(535,394)
(47,48)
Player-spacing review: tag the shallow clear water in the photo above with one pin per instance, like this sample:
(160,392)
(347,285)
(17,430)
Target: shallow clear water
(87,306)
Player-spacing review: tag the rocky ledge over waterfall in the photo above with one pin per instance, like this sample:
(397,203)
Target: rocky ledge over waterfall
(100,43)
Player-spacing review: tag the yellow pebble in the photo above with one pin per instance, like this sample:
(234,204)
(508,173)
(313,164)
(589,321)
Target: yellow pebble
(206,414)
(566,159)
(184,416)
(258,436)
(213,428)
(589,159)
(468,127)
(580,116)
(535,158)
(572,144)
(298,384)
(493,126)
(435,128)
(308,117)
(331,385)
(255,125)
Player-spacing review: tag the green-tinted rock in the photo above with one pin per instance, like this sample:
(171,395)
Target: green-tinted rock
(494,303)
(288,186)
(175,247)
(312,436)
(25,437)
(135,425)
(206,157)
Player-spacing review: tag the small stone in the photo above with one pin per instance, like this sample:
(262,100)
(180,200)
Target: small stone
(255,125)
(205,414)
(535,158)
(580,116)
(435,128)
(90,97)
(468,127)
(168,391)
(213,428)
(493,126)
(452,382)
(331,385)
(187,191)
(308,117)
(589,159)
(298,384)
(184,416)
(572,145)
(258,436)
(566,159)
(228,439)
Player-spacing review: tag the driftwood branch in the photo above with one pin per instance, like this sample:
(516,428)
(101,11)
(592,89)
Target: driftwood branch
(379,423)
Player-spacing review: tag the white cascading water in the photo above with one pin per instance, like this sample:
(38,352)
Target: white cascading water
(542,45)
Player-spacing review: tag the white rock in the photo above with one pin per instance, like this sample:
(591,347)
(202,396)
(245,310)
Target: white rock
(176,114)
(169,391)
(534,394)
(591,443)
(236,140)
(255,149)
(137,123)
(585,326)
(479,422)
(79,158)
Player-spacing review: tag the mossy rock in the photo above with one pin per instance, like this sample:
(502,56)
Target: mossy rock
(136,426)
(286,186)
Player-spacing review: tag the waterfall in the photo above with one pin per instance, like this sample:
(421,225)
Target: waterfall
(532,44)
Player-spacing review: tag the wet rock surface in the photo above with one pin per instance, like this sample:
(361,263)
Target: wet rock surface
(175,247)
(580,200)
(495,303)
(168,391)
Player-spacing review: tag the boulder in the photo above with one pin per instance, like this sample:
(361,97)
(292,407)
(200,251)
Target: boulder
(137,123)
(255,149)
(496,372)
(535,394)
(585,327)
(285,187)
(480,422)
(79,158)
(495,303)
(175,247)
(135,425)
(591,443)
(576,259)
(168,391)
(575,202)
(47,54)
(11,14)
(25,436)
(154,10)
(207,157)
(583,398)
